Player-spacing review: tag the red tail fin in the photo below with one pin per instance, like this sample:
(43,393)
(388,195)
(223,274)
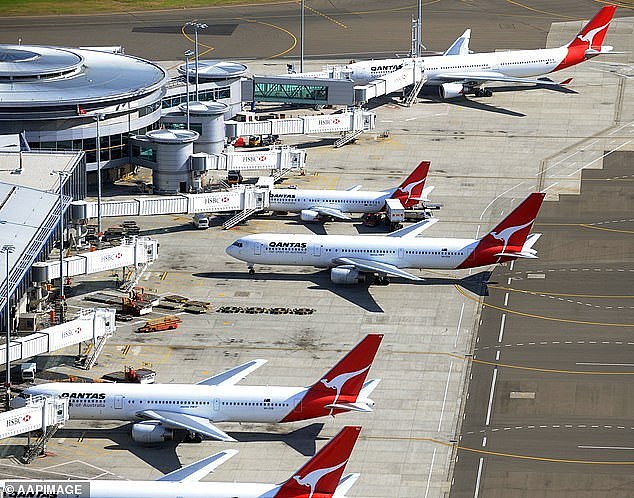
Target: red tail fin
(508,236)
(410,190)
(593,33)
(341,384)
(321,474)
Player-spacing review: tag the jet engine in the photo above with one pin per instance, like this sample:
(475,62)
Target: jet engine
(308,215)
(346,275)
(151,431)
(451,90)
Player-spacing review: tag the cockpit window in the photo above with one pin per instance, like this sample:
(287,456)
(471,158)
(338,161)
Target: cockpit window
(237,243)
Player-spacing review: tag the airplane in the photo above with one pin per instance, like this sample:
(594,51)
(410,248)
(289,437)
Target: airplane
(317,205)
(158,409)
(320,477)
(350,258)
(459,72)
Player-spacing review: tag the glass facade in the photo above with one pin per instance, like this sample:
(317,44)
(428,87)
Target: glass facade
(290,93)
(203,96)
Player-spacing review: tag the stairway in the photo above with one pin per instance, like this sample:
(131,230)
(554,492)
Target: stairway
(239,217)
(411,98)
(90,360)
(39,447)
(347,138)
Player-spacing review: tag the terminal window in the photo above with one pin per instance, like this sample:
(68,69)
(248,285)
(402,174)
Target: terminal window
(290,92)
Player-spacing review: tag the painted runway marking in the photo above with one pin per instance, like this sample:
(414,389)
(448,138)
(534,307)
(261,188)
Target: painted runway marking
(491,394)
(444,399)
(431,467)
(502,322)
(477,485)
(605,447)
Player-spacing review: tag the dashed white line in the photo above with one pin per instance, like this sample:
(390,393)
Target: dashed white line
(444,399)
(477,484)
(431,467)
(502,327)
(605,447)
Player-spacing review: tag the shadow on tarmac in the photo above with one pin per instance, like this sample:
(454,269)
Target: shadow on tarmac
(163,456)
(357,294)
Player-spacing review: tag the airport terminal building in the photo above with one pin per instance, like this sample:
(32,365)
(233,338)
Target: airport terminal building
(64,98)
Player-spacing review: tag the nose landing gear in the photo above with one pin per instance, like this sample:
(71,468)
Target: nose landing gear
(251,270)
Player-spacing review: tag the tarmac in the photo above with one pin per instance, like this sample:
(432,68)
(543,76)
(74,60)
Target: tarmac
(486,155)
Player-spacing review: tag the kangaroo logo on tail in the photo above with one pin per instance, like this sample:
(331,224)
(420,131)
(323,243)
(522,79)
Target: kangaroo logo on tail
(589,36)
(506,234)
(312,478)
(407,189)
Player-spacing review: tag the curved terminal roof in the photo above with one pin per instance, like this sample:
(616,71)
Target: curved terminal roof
(215,70)
(204,108)
(172,136)
(44,76)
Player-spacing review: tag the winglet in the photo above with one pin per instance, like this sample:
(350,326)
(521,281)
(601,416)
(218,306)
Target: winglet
(321,475)
(194,472)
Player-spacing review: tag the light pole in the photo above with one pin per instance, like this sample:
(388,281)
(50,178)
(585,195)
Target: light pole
(197,25)
(8,249)
(301,45)
(188,54)
(62,175)
(98,116)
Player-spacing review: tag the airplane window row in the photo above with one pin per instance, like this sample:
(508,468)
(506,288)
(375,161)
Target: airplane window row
(465,66)
(382,251)
(527,62)
(436,252)
(170,402)
(244,403)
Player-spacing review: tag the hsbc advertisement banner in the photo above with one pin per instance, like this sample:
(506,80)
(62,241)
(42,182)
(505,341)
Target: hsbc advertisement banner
(324,124)
(253,160)
(69,333)
(216,202)
(106,259)
(19,421)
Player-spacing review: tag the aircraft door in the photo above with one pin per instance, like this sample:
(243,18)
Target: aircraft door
(317,250)
(401,253)
(257,248)
(118,402)
(216,404)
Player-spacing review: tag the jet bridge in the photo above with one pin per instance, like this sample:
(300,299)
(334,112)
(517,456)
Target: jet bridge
(40,413)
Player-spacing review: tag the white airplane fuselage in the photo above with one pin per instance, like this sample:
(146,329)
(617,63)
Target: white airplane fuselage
(516,64)
(322,251)
(97,401)
(346,201)
(166,489)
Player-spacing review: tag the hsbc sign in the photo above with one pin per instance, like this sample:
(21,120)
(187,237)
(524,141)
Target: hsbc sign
(332,123)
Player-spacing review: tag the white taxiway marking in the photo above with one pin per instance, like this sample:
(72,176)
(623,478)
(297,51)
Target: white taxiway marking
(491,203)
(502,327)
(598,158)
(605,364)
(444,399)
(490,405)
(477,485)
(605,447)
(459,324)
(431,467)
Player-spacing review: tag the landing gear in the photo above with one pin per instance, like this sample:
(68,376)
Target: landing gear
(193,437)
(483,92)
(381,280)
(251,270)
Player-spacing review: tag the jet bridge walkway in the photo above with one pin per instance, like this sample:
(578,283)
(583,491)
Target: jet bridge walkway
(40,413)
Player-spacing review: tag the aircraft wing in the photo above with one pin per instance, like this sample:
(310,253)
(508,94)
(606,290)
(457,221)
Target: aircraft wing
(196,471)
(233,375)
(414,230)
(485,76)
(354,188)
(376,267)
(345,484)
(188,422)
(461,45)
(326,211)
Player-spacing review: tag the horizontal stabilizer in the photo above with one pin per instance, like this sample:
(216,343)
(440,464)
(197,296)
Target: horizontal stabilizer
(353,407)
(192,423)
(233,375)
(415,229)
(345,485)
(368,388)
(354,188)
(519,255)
(530,241)
(196,471)
(376,267)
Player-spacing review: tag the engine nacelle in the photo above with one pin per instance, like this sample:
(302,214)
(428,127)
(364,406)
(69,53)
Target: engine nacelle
(150,431)
(345,275)
(451,90)
(308,215)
